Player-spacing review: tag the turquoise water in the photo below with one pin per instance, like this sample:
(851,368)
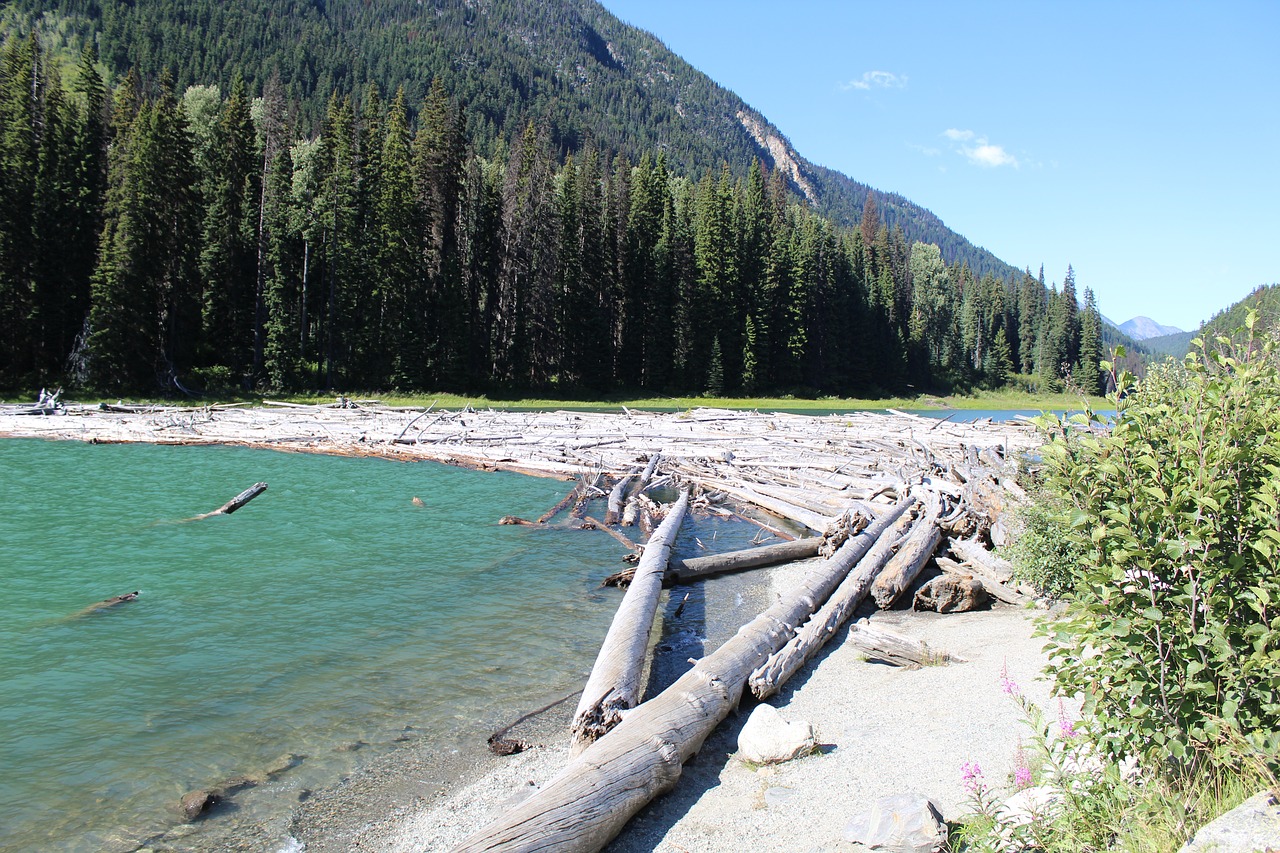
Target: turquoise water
(330,612)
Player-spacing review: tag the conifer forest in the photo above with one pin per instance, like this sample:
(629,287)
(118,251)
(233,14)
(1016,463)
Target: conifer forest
(154,239)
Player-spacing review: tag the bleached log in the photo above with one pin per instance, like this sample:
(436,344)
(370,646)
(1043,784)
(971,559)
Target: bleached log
(632,506)
(897,649)
(973,553)
(695,568)
(787,661)
(905,567)
(593,797)
(995,589)
(615,682)
(235,503)
(783,509)
(616,497)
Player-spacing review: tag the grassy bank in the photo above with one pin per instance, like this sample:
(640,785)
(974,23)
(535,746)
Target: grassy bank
(994,400)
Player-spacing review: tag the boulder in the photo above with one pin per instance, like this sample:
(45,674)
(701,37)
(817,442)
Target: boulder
(1250,827)
(768,739)
(902,823)
(1038,804)
(196,803)
(950,594)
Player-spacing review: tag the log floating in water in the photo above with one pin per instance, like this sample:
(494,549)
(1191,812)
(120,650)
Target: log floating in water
(615,682)
(616,497)
(632,509)
(694,568)
(235,503)
(107,603)
(593,797)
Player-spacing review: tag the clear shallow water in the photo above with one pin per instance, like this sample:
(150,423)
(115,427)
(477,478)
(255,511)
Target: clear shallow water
(329,613)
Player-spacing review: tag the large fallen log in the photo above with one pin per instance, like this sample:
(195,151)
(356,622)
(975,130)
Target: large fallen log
(615,682)
(769,677)
(593,797)
(905,567)
(616,497)
(778,507)
(995,589)
(695,568)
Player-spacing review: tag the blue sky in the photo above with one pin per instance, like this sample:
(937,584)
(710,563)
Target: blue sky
(1138,142)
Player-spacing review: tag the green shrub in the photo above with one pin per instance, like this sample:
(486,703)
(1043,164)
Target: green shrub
(1173,635)
(1044,554)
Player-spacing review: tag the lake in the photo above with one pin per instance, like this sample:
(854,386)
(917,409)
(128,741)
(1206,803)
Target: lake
(323,624)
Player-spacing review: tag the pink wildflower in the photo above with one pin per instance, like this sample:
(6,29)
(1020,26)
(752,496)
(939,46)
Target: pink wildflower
(1066,728)
(1007,684)
(1021,777)
(971,777)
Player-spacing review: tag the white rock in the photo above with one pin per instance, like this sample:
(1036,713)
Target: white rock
(902,823)
(1251,826)
(1030,805)
(768,739)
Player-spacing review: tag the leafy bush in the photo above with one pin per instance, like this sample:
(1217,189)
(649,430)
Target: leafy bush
(1044,553)
(1173,637)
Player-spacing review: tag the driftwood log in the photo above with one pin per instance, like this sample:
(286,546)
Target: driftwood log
(993,587)
(972,552)
(905,567)
(769,677)
(235,503)
(632,508)
(616,679)
(594,796)
(616,498)
(695,568)
(897,649)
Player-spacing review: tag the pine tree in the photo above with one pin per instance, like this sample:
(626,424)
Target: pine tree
(1087,374)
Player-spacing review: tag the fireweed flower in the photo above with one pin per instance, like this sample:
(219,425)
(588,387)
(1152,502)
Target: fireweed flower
(1021,772)
(971,777)
(1007,684)
(1066,728)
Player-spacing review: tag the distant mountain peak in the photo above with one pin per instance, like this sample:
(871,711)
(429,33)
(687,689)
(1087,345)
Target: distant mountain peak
(1142,328)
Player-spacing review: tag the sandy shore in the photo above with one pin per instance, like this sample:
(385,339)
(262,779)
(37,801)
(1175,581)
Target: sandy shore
(883,730)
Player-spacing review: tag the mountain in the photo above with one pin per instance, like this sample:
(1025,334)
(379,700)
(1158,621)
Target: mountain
(1141,328)
(1265,300)
(571,65)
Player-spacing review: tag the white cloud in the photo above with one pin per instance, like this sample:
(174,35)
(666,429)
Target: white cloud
(876,80)
(978,150)
(926,150)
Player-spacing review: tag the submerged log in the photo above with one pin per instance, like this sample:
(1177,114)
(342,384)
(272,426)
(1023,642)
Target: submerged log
(615,682)
(897,649)
(695,568)
(107,603)
(594,796)
(769,678)
(905,567)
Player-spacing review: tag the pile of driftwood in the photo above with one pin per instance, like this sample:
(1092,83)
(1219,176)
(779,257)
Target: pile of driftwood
(869,498)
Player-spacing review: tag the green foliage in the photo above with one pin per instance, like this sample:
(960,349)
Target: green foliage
(1044,554)
(1174,636)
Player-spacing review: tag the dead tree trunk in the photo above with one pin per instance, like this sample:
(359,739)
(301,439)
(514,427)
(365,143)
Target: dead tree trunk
(906,565)
(897,649)
(614,685)
(616,497)
(694,568)
(588,803)
(633,502)
(769,678)
(987,563)
(235,503)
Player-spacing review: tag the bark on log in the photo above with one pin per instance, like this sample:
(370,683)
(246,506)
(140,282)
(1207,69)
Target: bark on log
(905,566)
(615,682)
(897,649)
(769,678)
(995,589)
(593,797)
(973,553)
(695,568)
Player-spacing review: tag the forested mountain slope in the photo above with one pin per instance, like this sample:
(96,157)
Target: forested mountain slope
(570,65)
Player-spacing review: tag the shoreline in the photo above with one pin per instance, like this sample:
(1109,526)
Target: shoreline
(804,468)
